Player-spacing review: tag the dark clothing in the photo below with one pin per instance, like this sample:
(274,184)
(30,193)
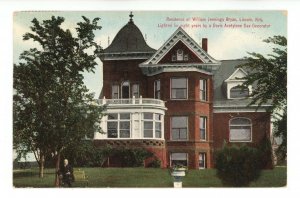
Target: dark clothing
(67,175)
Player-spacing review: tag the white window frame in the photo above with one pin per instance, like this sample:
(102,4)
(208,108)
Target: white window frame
(112,91)
(154,121)
(179,56)
(187,129)
(113,120)
(119,120)
(241,89)
(138,90)
(124,120)
(128,89)
(203,91)
(187,88)
(204,155)
(248,125)
(205,127)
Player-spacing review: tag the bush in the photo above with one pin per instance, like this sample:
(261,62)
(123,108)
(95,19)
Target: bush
(156,163)
(130,157)
(238,166)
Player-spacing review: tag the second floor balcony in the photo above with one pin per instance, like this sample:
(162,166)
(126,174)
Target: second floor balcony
(132,102)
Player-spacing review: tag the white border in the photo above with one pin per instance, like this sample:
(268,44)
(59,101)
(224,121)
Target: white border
(7,7)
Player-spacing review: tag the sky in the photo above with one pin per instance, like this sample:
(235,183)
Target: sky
(231,34)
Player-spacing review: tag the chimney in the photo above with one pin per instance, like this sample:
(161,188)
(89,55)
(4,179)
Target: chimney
(204,44)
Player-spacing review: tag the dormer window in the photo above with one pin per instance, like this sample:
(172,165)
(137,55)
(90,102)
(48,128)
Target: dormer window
(234,85)
(239,92)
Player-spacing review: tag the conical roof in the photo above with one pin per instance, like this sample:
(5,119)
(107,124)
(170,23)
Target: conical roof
(129,39)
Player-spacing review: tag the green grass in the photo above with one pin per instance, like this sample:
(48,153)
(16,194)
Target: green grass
(144,177)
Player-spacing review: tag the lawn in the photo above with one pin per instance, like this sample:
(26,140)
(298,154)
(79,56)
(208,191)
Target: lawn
(144,177)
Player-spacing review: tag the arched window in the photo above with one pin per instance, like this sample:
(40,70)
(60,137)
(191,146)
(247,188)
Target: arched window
(179,55)
(125,89)
(239,92)
(240,130)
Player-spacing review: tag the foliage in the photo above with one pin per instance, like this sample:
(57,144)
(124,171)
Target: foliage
(238,166)
(84,154)
(266,154)
(52,106)
(269,75)
(280,130)
(156,163)
(129,157)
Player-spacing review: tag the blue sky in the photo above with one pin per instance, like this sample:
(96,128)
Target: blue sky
(223,42)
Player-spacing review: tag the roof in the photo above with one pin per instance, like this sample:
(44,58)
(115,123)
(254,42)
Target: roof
(227,68)
(180,35)
(129,39)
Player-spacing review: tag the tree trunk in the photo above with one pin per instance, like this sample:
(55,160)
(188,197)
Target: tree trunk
(57,166)
(41,166)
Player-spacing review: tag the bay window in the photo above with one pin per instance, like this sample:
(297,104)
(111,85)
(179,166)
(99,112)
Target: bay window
(179,88)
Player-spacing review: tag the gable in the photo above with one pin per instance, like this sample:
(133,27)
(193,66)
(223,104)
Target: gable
(236,75)
(180,36)
(188,55)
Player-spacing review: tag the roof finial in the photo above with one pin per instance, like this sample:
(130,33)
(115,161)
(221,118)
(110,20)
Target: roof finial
(131,15)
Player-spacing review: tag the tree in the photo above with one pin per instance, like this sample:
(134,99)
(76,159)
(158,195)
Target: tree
(269,75)
(52,106)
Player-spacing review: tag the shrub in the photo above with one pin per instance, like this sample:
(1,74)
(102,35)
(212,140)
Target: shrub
(156,163)
(129,157)
(237,166)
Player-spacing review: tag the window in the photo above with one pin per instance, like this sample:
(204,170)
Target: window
(239,92)
(180,55)
(179,128)
(118,125)
(148,125)
(202,160)
(136,90)
(240,130)
(157,89)
(174,58)
(152,125)
(124,125)
(112,126)
(179,88)
(179,159)
(125,89)
(203,88)
(186,57)
(158,125)
(115,91)
(203,123)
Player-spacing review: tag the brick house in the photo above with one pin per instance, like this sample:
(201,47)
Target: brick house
(177,102)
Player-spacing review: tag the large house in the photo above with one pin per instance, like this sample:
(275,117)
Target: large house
(177,102)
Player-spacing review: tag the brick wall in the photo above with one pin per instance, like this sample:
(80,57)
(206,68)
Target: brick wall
(260,127)
(118,71)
